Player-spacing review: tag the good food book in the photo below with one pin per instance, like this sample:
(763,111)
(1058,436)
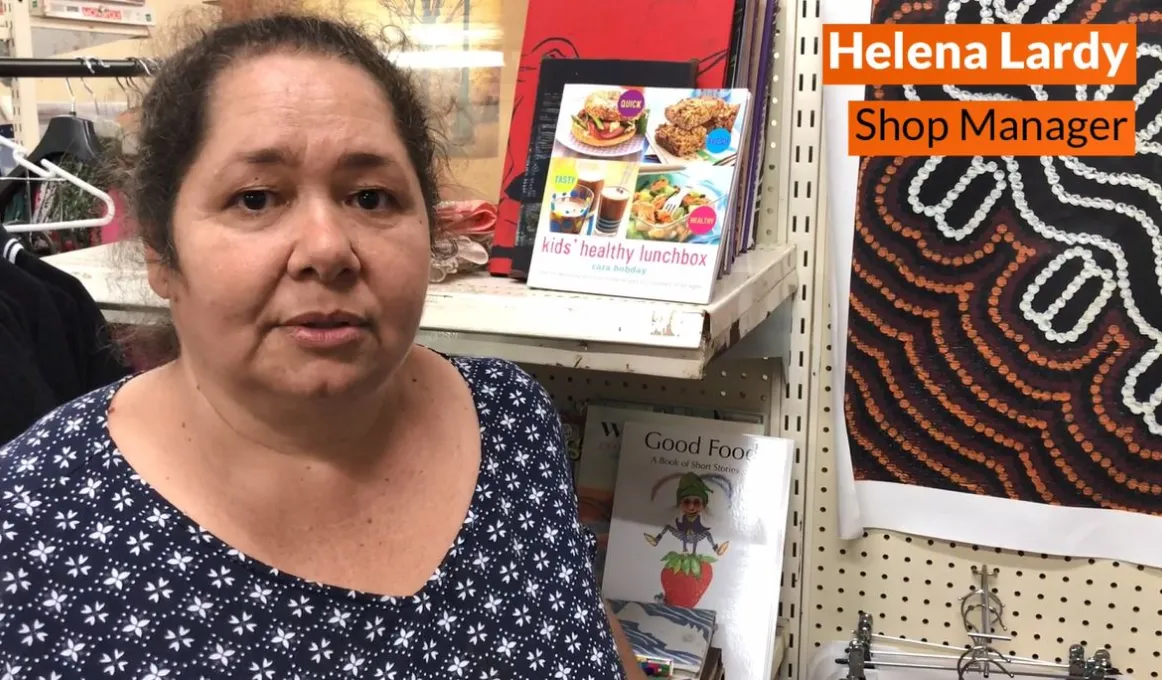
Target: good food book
(699,521)
(641,192)
(595,470)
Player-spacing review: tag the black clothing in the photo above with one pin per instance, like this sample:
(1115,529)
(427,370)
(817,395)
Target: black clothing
(24,394)
(96,357)
(34,305)
(54,343)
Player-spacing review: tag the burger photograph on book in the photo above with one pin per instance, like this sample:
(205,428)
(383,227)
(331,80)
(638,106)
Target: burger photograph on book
(603,122)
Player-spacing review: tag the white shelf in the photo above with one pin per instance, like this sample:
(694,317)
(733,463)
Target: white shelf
(486,316)
(53,36)
(122,31)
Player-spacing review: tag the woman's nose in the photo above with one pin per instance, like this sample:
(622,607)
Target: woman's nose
(323,247)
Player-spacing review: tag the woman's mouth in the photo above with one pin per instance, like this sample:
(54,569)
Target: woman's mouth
(326,330)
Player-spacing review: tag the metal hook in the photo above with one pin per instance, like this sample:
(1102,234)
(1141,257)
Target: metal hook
(88,62)
(132,82)
(72,97)
(96,100)
(144,66)
(124,90)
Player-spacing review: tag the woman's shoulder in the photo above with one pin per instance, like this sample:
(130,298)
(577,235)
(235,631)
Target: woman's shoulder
(49,452)
(503,382)
(515,410)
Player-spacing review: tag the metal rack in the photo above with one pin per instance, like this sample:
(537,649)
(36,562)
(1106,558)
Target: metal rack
(19,33)
(81,67)
(982,615)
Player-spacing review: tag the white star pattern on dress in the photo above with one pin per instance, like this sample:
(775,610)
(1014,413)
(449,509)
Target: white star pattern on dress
(100,577)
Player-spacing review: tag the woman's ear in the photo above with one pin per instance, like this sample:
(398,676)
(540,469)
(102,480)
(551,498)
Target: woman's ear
(159,274)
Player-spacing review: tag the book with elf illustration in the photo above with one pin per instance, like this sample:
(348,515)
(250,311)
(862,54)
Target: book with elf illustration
(699,521)
(641,191)
(595,469)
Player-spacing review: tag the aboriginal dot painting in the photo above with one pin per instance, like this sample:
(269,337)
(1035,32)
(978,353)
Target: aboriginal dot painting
(1004,326)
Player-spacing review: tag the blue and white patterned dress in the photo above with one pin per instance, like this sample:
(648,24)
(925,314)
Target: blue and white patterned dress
(100,577)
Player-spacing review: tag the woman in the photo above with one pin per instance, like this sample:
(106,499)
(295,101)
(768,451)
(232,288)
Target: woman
(302,492)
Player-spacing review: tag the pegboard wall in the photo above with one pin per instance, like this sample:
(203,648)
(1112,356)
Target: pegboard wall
(912,585)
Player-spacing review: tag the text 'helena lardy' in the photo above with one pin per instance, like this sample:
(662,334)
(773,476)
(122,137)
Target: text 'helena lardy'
(1094,54)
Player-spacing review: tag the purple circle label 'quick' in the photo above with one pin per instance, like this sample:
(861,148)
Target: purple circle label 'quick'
(631,103)
(702,220)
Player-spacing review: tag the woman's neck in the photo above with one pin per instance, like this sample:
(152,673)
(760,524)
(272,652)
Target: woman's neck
(346,430)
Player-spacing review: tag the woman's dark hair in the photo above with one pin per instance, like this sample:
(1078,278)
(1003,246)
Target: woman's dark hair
(174,112)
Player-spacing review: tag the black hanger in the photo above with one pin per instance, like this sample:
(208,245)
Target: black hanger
(67,135)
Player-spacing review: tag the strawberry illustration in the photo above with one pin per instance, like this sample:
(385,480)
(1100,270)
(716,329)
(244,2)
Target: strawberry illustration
(685,578)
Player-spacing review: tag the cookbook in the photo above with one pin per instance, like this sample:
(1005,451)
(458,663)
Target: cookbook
(640,192)
(555,75)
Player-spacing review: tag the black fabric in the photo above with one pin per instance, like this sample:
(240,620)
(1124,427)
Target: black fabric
(46,330)
(25,396)
(97,361)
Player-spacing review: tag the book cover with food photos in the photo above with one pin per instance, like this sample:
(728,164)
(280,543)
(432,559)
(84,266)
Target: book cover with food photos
(640,192)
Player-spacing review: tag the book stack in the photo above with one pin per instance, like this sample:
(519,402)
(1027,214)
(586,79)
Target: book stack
(670,642)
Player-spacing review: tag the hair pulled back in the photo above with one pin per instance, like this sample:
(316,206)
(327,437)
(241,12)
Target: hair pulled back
(174,111)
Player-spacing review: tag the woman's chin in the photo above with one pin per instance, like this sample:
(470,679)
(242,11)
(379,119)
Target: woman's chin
(328,380)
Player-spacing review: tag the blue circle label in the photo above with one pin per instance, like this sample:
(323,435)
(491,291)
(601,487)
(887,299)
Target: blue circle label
(718,140)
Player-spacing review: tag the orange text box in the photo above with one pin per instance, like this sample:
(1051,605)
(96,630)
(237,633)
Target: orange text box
(951,128)
(977,54)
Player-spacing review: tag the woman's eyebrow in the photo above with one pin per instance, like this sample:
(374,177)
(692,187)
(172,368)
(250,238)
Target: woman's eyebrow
(364,160)
(267,156)
(354,160)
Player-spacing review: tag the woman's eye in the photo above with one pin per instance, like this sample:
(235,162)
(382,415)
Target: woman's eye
(371,199)
(254,200)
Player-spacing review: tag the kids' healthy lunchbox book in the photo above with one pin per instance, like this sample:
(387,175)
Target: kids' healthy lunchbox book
(640,192)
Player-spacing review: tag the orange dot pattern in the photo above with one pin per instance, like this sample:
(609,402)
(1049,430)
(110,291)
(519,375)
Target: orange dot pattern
(948,385)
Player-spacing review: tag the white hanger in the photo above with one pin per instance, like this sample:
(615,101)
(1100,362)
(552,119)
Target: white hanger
(54,171)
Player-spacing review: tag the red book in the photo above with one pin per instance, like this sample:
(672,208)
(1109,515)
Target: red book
(628,29)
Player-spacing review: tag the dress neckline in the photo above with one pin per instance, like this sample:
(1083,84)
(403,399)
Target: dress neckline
(223,549)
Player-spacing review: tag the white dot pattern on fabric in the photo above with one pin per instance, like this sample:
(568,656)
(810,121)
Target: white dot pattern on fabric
(101,578)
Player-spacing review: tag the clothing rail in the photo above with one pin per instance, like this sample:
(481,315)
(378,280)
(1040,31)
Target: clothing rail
(80,67)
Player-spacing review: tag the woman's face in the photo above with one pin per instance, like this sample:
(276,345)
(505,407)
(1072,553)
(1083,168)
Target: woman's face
(301,234)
